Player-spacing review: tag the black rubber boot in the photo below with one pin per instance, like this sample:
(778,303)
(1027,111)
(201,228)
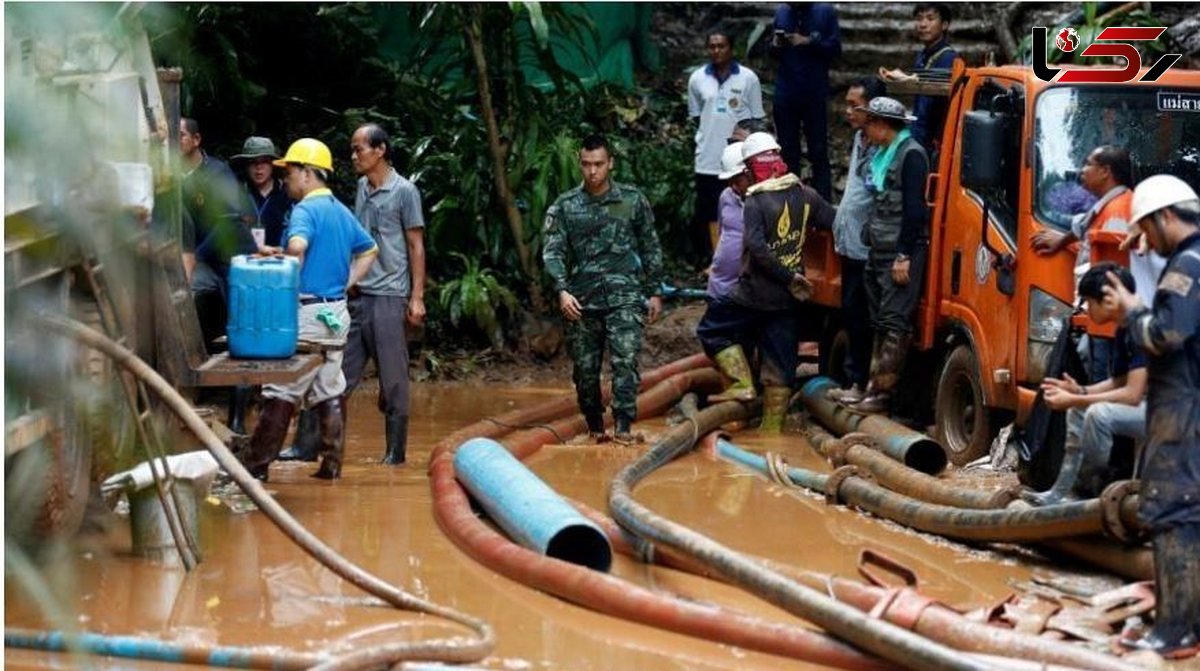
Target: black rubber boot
(308,438)
(1176,593)
(595,424)
(396,434)
(1064,483)
(623,432)
(268,436)
(239,399)
(332,431)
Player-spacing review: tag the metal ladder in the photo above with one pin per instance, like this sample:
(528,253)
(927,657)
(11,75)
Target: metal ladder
(138,400)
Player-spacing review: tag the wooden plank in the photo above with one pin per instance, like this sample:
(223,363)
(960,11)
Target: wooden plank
(919,88)
(223,371)
(26,430)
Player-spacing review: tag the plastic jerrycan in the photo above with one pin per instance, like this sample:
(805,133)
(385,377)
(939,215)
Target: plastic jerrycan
(264,297)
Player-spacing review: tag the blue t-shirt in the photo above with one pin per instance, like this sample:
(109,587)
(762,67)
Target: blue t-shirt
(1126,355)
(334,237)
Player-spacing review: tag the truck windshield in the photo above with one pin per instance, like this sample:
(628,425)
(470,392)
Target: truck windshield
(1159,126)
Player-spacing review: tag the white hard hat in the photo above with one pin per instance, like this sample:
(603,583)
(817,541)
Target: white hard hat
(1155,193)
(731,161)
(757,143)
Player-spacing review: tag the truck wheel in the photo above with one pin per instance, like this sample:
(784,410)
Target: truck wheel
(963,423)
(833,347)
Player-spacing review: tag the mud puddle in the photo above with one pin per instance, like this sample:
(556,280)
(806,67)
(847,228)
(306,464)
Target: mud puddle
(254,588)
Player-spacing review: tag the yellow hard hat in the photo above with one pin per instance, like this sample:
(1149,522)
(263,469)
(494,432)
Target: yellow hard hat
(309,152)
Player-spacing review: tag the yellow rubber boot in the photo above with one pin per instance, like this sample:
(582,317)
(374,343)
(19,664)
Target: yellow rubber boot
(732,362)
(774,409)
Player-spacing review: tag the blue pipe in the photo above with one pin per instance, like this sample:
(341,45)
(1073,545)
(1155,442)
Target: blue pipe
(526,508)
(133,647)
(805,478)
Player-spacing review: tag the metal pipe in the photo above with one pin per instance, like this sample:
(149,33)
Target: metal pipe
(529,510)
(911,448)
(910,482)
(602,592)
(850,624)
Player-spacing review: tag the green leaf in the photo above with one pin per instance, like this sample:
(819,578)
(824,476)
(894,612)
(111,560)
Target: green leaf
(541,29)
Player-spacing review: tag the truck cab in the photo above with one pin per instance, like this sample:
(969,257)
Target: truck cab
(992,307)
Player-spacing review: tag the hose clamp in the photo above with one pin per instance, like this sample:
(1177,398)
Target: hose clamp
(836,452)
(837,477)
(1110,511)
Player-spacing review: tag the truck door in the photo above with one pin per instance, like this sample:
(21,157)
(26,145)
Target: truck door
(977,274)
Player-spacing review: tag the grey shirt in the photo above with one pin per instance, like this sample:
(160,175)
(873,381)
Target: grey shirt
(386,213)
(856,205)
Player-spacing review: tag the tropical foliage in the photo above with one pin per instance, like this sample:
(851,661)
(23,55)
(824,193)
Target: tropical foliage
(292,70)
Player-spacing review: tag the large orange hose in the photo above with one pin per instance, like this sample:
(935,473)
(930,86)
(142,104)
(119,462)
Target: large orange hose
(599,591)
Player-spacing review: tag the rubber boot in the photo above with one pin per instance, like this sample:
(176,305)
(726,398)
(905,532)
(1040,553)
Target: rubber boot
(1093,474)
(596,432)
(774,408)
(307,439)
(332,432)
(396,434)
(1064,483)
(732,362)
(885,373)
(849,396)
(856,393)
(239,399)
(623,432)
(1176,593)
(268,436)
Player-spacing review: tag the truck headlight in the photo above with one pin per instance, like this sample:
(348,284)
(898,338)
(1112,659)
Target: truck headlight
(1047,315)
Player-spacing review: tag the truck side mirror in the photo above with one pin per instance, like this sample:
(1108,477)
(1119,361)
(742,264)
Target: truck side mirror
(983,150)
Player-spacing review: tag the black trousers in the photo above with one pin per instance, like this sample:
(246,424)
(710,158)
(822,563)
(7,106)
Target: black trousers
(893,305)
(708,197)
(811,114)
(856,315)
(774,332)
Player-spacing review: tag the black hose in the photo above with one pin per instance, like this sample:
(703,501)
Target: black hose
(882,638)
(449,650)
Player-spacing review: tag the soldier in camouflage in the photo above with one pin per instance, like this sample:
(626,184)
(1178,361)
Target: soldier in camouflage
(602,252)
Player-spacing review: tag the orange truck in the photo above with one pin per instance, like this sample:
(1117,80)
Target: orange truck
(992,308)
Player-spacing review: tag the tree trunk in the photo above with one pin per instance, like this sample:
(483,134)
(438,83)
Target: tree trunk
(499,157)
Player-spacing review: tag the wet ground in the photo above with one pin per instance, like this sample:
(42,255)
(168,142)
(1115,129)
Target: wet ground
(254,588)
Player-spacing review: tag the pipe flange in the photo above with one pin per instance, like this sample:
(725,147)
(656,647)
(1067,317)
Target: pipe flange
(835,452)
(837,477)
(1110,511)
(860,438)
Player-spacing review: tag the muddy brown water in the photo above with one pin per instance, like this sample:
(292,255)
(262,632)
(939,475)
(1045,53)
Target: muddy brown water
(254,588)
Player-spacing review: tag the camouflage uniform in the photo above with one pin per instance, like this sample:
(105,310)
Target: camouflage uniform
(603,250)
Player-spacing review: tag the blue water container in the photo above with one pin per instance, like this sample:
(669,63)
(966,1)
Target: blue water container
(264,295)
